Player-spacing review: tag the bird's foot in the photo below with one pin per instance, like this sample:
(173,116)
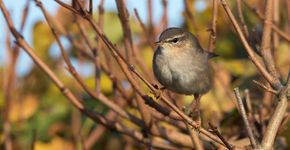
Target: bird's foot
(158,92)
(198,124)
(193,111)
(197,110)
(188,111)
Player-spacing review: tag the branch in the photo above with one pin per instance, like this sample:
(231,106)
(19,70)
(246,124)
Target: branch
(212,30)
(277,117)
(242,20)
(71,97)
(216,132)
(124,66)
(282,34)
(145,32)
(268,89)
(129,46)
(266,43)
(245,118)
(252,55)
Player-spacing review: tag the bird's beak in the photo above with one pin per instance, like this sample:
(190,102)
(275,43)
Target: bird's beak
(159,43)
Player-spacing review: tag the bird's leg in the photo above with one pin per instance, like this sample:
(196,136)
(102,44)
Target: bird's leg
(194,107)
(197,108)
(188,110)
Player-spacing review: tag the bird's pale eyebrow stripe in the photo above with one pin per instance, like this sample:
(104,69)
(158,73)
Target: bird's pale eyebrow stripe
(177,36)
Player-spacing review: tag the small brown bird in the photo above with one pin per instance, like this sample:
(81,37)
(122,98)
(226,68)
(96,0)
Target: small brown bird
(181,65)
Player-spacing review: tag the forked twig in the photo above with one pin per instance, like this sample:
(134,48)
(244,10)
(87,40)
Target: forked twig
(269,89)
(245,118)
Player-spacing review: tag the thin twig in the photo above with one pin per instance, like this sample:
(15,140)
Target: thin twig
(71,97)
(284,123)
(9,79)
(245,118)
(190,18)
(94,50)
(216,132)
(150,19)
(100,96)
(288,13)
(164,20)
(269,89)
(242,20)
(72,70)
(266,42)
(197,144)
(128,40)
(276,19)
(145,32)
(91,7)
(99,48)
(248,101)
(98,132)
(212,39)
(252,55)
(124,66)
(281,33)
(250,113)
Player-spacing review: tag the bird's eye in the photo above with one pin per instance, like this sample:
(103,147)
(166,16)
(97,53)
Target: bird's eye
(175,40)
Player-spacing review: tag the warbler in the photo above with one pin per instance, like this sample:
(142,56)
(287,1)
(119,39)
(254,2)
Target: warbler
(181,65)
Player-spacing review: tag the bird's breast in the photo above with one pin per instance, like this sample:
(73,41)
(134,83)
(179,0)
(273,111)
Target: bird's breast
(182,73)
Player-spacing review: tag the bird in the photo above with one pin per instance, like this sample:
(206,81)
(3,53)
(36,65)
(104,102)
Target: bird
(181,65)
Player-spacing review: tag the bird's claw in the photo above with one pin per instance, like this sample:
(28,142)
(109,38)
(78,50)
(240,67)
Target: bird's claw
(158,92)
(189,110)
(198,125)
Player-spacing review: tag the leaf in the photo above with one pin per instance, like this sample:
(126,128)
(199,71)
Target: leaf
(105,83)
(56,143)
(23,109)
(42,39)
(112,26)
(240,67)
(147,55)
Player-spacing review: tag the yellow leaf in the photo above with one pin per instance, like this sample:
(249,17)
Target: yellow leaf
(242,67)
(106,83)
(23,109)
(56,143)
(42,38)
(147,55)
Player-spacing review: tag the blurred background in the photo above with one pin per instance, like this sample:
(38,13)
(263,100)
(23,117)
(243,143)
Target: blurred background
(41,116)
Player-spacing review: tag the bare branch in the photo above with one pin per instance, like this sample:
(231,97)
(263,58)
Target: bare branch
(245,118)
(215,131)
(212,30)
(266,42)
(252,55)
(124,66)
(282,34)
(242,20)
(144,29)
(269,89)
